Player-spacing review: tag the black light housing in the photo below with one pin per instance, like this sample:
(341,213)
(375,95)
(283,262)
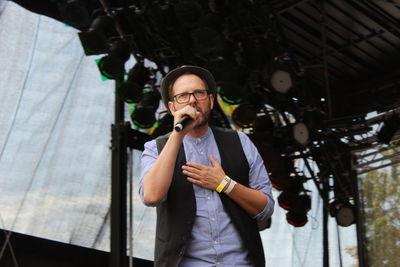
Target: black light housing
(95,40)
(245,115)
(343,211)
(131,90)
(296,219)
(389,128)
(112,66)
(143,115)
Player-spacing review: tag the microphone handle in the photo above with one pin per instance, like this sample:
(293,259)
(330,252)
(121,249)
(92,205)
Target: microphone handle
(179,126)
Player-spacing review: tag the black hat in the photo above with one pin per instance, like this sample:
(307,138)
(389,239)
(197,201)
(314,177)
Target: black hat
(175,73)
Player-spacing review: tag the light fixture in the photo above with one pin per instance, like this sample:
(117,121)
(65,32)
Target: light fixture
(343,211)
(131,90)
(231,92)
(231,80)
(143,115)
(301,133)
(389,128)
(112,66)
(164,125)
(95,40)
(245,115)
(281,81)
(296,219)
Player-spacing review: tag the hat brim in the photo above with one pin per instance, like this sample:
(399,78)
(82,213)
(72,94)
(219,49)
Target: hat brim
(185,69)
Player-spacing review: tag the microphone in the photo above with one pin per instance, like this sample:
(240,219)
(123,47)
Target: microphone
(183,123)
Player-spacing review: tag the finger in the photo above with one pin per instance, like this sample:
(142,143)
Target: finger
(195,165)
(192,174)
(191,169)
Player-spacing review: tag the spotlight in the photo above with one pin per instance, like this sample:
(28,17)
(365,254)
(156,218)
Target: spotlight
(231,92)
(75,13)
(131,90)
(143,115)
(281,81)
(287,199)
(389,128)
(112,66)
(297,206)
(94,40)
(343,211)
(245,115)
(165,125)
(296,219)
(231,80)
(301,133)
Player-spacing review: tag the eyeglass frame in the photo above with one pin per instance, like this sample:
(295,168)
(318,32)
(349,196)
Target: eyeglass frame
(190,94)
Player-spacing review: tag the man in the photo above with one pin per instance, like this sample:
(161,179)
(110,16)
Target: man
(209,185)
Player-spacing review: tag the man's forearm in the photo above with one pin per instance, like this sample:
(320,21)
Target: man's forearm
(251,200)
(157,181)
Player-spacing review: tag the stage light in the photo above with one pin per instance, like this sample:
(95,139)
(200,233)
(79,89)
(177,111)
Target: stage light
(165,125)
(343,211)
(112,66)
(389,128)
(296,219)
(231,80)
(287,199)
(75,13)
(244,115)
(131,90)
(231,92)
(301,133)
(143,115)
(281,81)
(95,40)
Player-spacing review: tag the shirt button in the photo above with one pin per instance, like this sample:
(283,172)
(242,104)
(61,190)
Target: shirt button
(215,242)
(212,219)
(208,198)
(217,262)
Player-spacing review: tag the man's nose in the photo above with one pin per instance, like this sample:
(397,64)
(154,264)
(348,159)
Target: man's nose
(192,99)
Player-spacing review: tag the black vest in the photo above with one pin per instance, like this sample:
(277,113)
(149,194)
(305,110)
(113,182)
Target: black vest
(176,215)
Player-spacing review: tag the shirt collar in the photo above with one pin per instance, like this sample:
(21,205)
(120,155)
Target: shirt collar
(199,139)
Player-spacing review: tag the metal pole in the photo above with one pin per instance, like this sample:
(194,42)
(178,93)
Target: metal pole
(325,199)
(360,226)
(118,187)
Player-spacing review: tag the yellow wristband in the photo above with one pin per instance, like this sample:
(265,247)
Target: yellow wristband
(223,183)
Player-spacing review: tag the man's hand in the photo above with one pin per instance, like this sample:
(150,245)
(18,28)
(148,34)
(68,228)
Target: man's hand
(204,176)
(187,111)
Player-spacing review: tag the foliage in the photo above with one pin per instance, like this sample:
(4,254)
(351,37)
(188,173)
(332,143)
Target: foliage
(380,197)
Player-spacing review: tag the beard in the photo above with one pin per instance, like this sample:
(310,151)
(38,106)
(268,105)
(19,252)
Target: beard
(204,118)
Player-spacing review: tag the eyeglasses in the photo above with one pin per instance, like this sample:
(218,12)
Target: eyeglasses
(185,97)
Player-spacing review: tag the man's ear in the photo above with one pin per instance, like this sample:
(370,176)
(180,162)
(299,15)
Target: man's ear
(171,107)
(211,101)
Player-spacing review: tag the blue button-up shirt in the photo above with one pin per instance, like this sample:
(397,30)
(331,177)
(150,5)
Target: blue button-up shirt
(214,240)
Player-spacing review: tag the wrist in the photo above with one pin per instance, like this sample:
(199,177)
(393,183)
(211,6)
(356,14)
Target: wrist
(230,186)
(223,184)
